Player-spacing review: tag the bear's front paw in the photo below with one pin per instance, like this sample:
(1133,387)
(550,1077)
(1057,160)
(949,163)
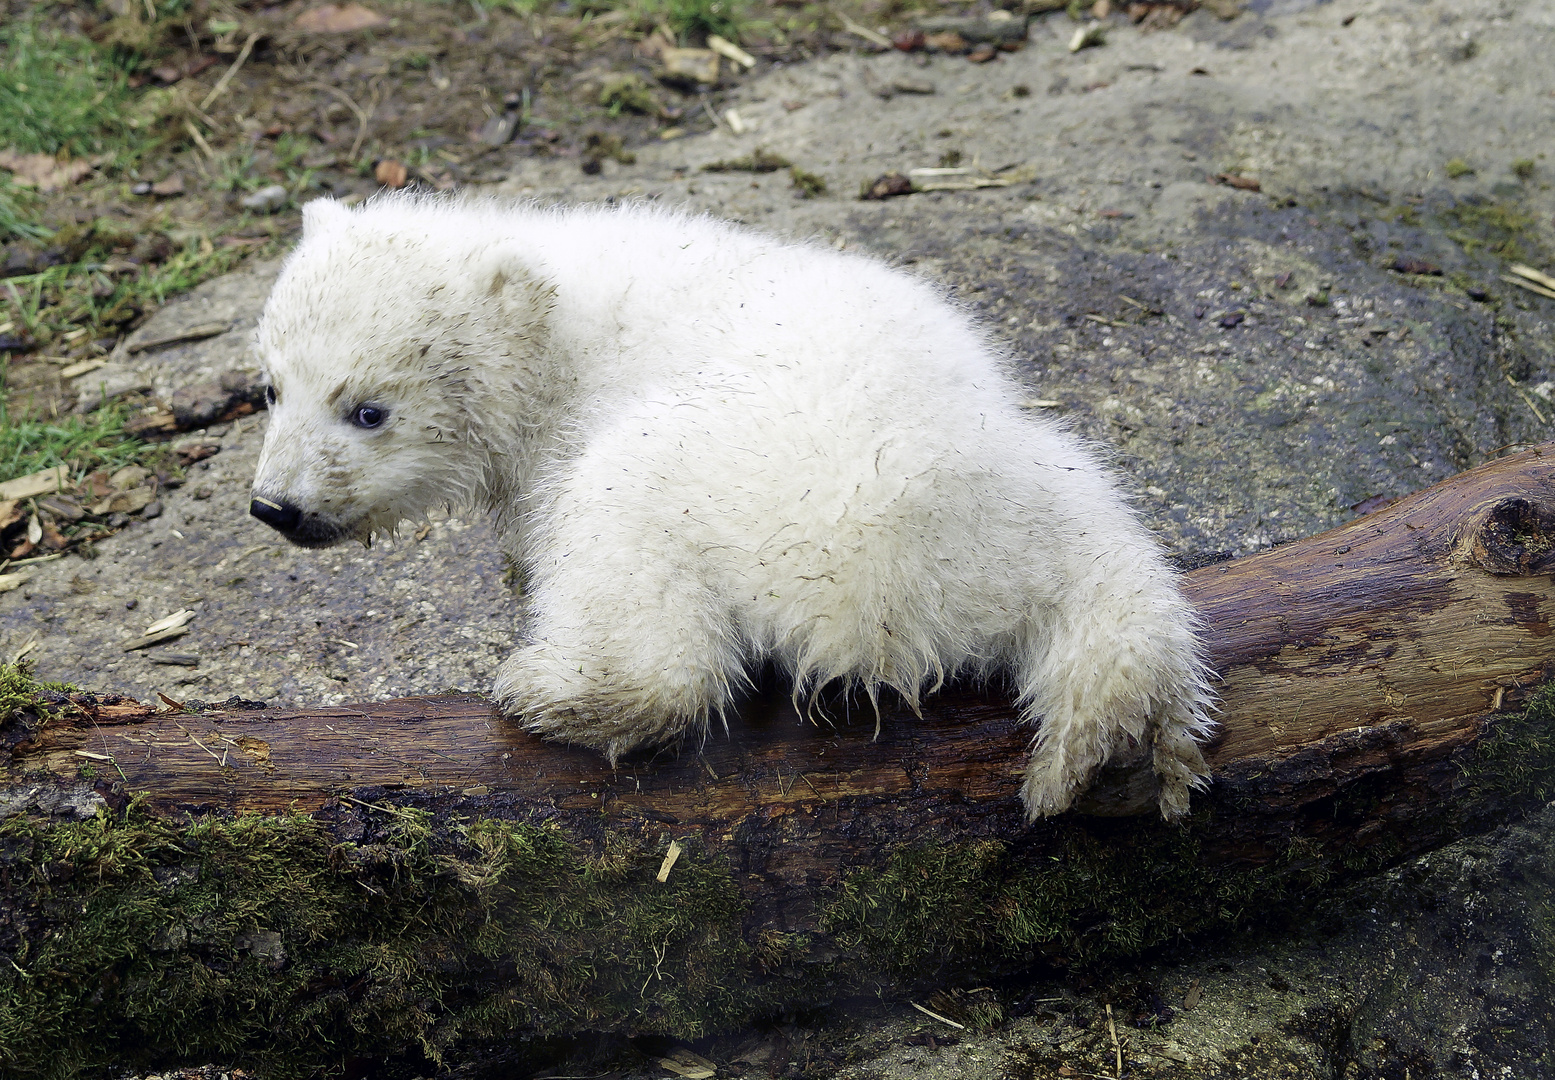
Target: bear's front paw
(556,700)
(574,699)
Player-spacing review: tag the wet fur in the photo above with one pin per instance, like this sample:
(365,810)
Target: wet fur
(708,449)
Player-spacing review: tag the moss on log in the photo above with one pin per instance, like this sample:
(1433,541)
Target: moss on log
(296,942)
(294,889)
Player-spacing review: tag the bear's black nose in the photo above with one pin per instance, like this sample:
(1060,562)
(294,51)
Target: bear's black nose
(278,515)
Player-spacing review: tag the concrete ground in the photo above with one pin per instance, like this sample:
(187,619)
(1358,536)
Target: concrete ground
(1265,363)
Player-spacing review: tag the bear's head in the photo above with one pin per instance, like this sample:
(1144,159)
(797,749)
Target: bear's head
(383,340)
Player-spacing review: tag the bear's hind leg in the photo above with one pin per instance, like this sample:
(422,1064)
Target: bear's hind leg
(1098,684)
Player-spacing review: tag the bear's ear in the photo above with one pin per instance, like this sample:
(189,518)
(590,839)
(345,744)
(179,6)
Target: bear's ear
(503,278)
(320,214)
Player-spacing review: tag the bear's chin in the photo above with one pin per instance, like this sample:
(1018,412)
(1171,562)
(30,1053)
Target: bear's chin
(313,533)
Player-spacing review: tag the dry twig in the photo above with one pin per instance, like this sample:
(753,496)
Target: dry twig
(221,83)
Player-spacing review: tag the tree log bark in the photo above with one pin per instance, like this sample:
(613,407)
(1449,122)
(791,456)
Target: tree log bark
(1375,689)
(1384,644)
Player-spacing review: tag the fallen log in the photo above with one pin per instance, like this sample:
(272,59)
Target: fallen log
(292,886)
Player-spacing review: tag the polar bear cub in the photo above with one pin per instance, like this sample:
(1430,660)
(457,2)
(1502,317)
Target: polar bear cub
(711,449)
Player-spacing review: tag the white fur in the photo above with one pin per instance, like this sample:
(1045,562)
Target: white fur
(709,448)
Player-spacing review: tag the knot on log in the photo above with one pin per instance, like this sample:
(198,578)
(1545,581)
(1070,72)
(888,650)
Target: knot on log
(1516,537)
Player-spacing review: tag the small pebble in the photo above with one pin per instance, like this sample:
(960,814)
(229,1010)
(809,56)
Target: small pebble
(142,188)
(153,509)
(204,493)
(267,200)
(131,605)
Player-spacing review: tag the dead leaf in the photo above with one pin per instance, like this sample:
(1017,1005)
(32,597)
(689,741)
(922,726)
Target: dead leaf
(130,476)
(60,507)
(42,171)
(947,42)
(700,66)
(96,485)
(338,19)
(188,455)
(887,186)
(391,174)
(1243,183)
(125,502)
(44,482)
(81,367)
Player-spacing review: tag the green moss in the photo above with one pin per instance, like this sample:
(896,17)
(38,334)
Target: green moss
(1113,891)
(758,160)
(1517,758)
(1458,167)
(294,943)
(1404,215)
(1500,228)
(1101,897)
(264,939)
(629,93)
(26,700)
(808,185)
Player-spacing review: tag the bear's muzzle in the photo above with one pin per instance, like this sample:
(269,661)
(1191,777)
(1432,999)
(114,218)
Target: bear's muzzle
(304,530)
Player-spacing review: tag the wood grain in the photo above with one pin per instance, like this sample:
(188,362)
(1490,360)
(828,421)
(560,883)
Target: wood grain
(1369,654)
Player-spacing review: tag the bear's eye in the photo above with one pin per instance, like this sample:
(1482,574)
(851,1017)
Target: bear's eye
(269,395)
(369,416)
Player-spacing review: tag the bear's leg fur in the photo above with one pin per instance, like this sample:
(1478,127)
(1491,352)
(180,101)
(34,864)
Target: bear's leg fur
(625,646)
(1099,681)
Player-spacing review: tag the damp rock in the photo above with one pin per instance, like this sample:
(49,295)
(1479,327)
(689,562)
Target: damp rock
(267,200)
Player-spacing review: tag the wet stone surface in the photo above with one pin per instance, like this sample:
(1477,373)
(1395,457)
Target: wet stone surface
(1264,363)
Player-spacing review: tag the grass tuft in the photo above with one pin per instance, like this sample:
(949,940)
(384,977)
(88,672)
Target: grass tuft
(18,209)
(83,443)
(60,93)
